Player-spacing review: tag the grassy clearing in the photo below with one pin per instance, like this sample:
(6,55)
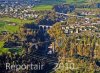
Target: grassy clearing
(2,24)
(15,20)
(75,1)
(1,44)
(43,7)
(10,28)
(2,50)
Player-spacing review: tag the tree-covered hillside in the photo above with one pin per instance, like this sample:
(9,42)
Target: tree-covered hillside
(67,1)
(52,1)
(82,1)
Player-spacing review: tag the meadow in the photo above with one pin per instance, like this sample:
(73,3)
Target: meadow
(43,7)
(11,28)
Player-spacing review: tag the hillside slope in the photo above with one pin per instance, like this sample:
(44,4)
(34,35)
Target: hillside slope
(82,1)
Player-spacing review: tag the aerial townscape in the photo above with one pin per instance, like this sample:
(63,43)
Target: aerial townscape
(53,36)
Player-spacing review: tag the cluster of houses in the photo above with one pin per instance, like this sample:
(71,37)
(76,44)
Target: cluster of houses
(18,11)
(22,13)
(77,29)
(84,25)
(85,12)
(70,29)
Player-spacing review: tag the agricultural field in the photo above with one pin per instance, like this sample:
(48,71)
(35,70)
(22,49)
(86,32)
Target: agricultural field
(15,20)
(43,7)
(5,21)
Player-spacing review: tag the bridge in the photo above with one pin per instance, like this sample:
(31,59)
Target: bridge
(45,27)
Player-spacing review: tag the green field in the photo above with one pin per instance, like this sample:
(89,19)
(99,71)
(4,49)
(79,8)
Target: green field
(15,20)
(10,28)
(2,50)
(2,24)
(43,7)
(75,1)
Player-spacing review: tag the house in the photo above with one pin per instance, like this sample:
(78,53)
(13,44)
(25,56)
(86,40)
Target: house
(98,22)
(51,49)
(13,24)
(63,28)
(71,31)
(77,30)
(66,31)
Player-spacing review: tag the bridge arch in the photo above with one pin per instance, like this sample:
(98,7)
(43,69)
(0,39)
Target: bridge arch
(44,27)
